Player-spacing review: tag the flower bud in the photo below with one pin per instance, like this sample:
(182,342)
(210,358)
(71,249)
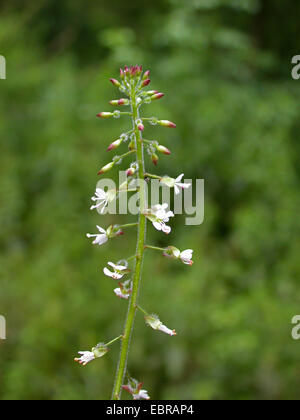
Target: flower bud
(163,149)
(105,114)
(151,92)
(154,158)
(130,171)
(146,82)
(119,102)
(166,123)
(115,82)
(131,145)
(157,96)
(141,126)
(106,168)
(146,75)
(122,74)
(114,145)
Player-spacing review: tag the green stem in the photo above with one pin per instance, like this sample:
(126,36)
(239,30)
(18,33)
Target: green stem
(155,248)
(128,225)
(112,341)
(122,365)
(152,176)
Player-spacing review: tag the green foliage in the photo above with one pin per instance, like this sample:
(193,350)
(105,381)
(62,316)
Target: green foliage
(229,91)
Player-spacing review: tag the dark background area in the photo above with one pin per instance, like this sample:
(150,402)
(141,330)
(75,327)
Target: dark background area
(225,67)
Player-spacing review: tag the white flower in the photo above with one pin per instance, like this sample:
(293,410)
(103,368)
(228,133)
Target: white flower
(100,238)
(102,198)
(141,395)
(175,183)
(154,322)
(159,216)
(86,357)
(118,273)
(185,256)
(134,388)
(121,293)
(124,290)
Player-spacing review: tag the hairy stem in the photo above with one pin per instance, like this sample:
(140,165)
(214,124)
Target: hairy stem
(141,237)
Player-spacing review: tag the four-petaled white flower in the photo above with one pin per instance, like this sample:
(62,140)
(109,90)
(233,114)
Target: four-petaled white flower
(159,217)
(154,322)
(175,183)
(135,389)
(185,256)
(88,356)
(100,238)
(118,273)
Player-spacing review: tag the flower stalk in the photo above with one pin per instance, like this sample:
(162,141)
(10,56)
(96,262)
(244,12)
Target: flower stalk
(132,84)
(141,237)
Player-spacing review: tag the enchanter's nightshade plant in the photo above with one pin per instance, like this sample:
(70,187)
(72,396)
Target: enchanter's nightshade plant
(133,83)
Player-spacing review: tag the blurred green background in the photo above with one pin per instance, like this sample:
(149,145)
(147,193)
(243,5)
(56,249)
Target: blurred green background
(225,66)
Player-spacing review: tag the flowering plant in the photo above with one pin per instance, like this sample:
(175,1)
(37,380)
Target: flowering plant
(134,84)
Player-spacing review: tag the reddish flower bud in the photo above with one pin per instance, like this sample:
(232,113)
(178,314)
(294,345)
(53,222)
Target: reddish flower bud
(154,158)
(105,114)
(166,123)
(151,92)
(163,149)
(146,75)
(114,145)
(106,168)
(146,82)
(130,171)
(122,74)
(141,127)
(157,96)
(115,82)
(119,102)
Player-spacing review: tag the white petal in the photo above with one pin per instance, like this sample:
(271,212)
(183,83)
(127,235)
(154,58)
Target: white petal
(179,178)
(100,193)
(101,229)
(176,189)
(166,229)
(167,330)
(112,265)
(183,185)
(100,240)
(107,272)
(120,294)
(157,225)
(187,254)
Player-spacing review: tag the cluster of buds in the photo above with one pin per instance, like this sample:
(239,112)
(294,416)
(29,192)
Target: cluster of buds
(133,85)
